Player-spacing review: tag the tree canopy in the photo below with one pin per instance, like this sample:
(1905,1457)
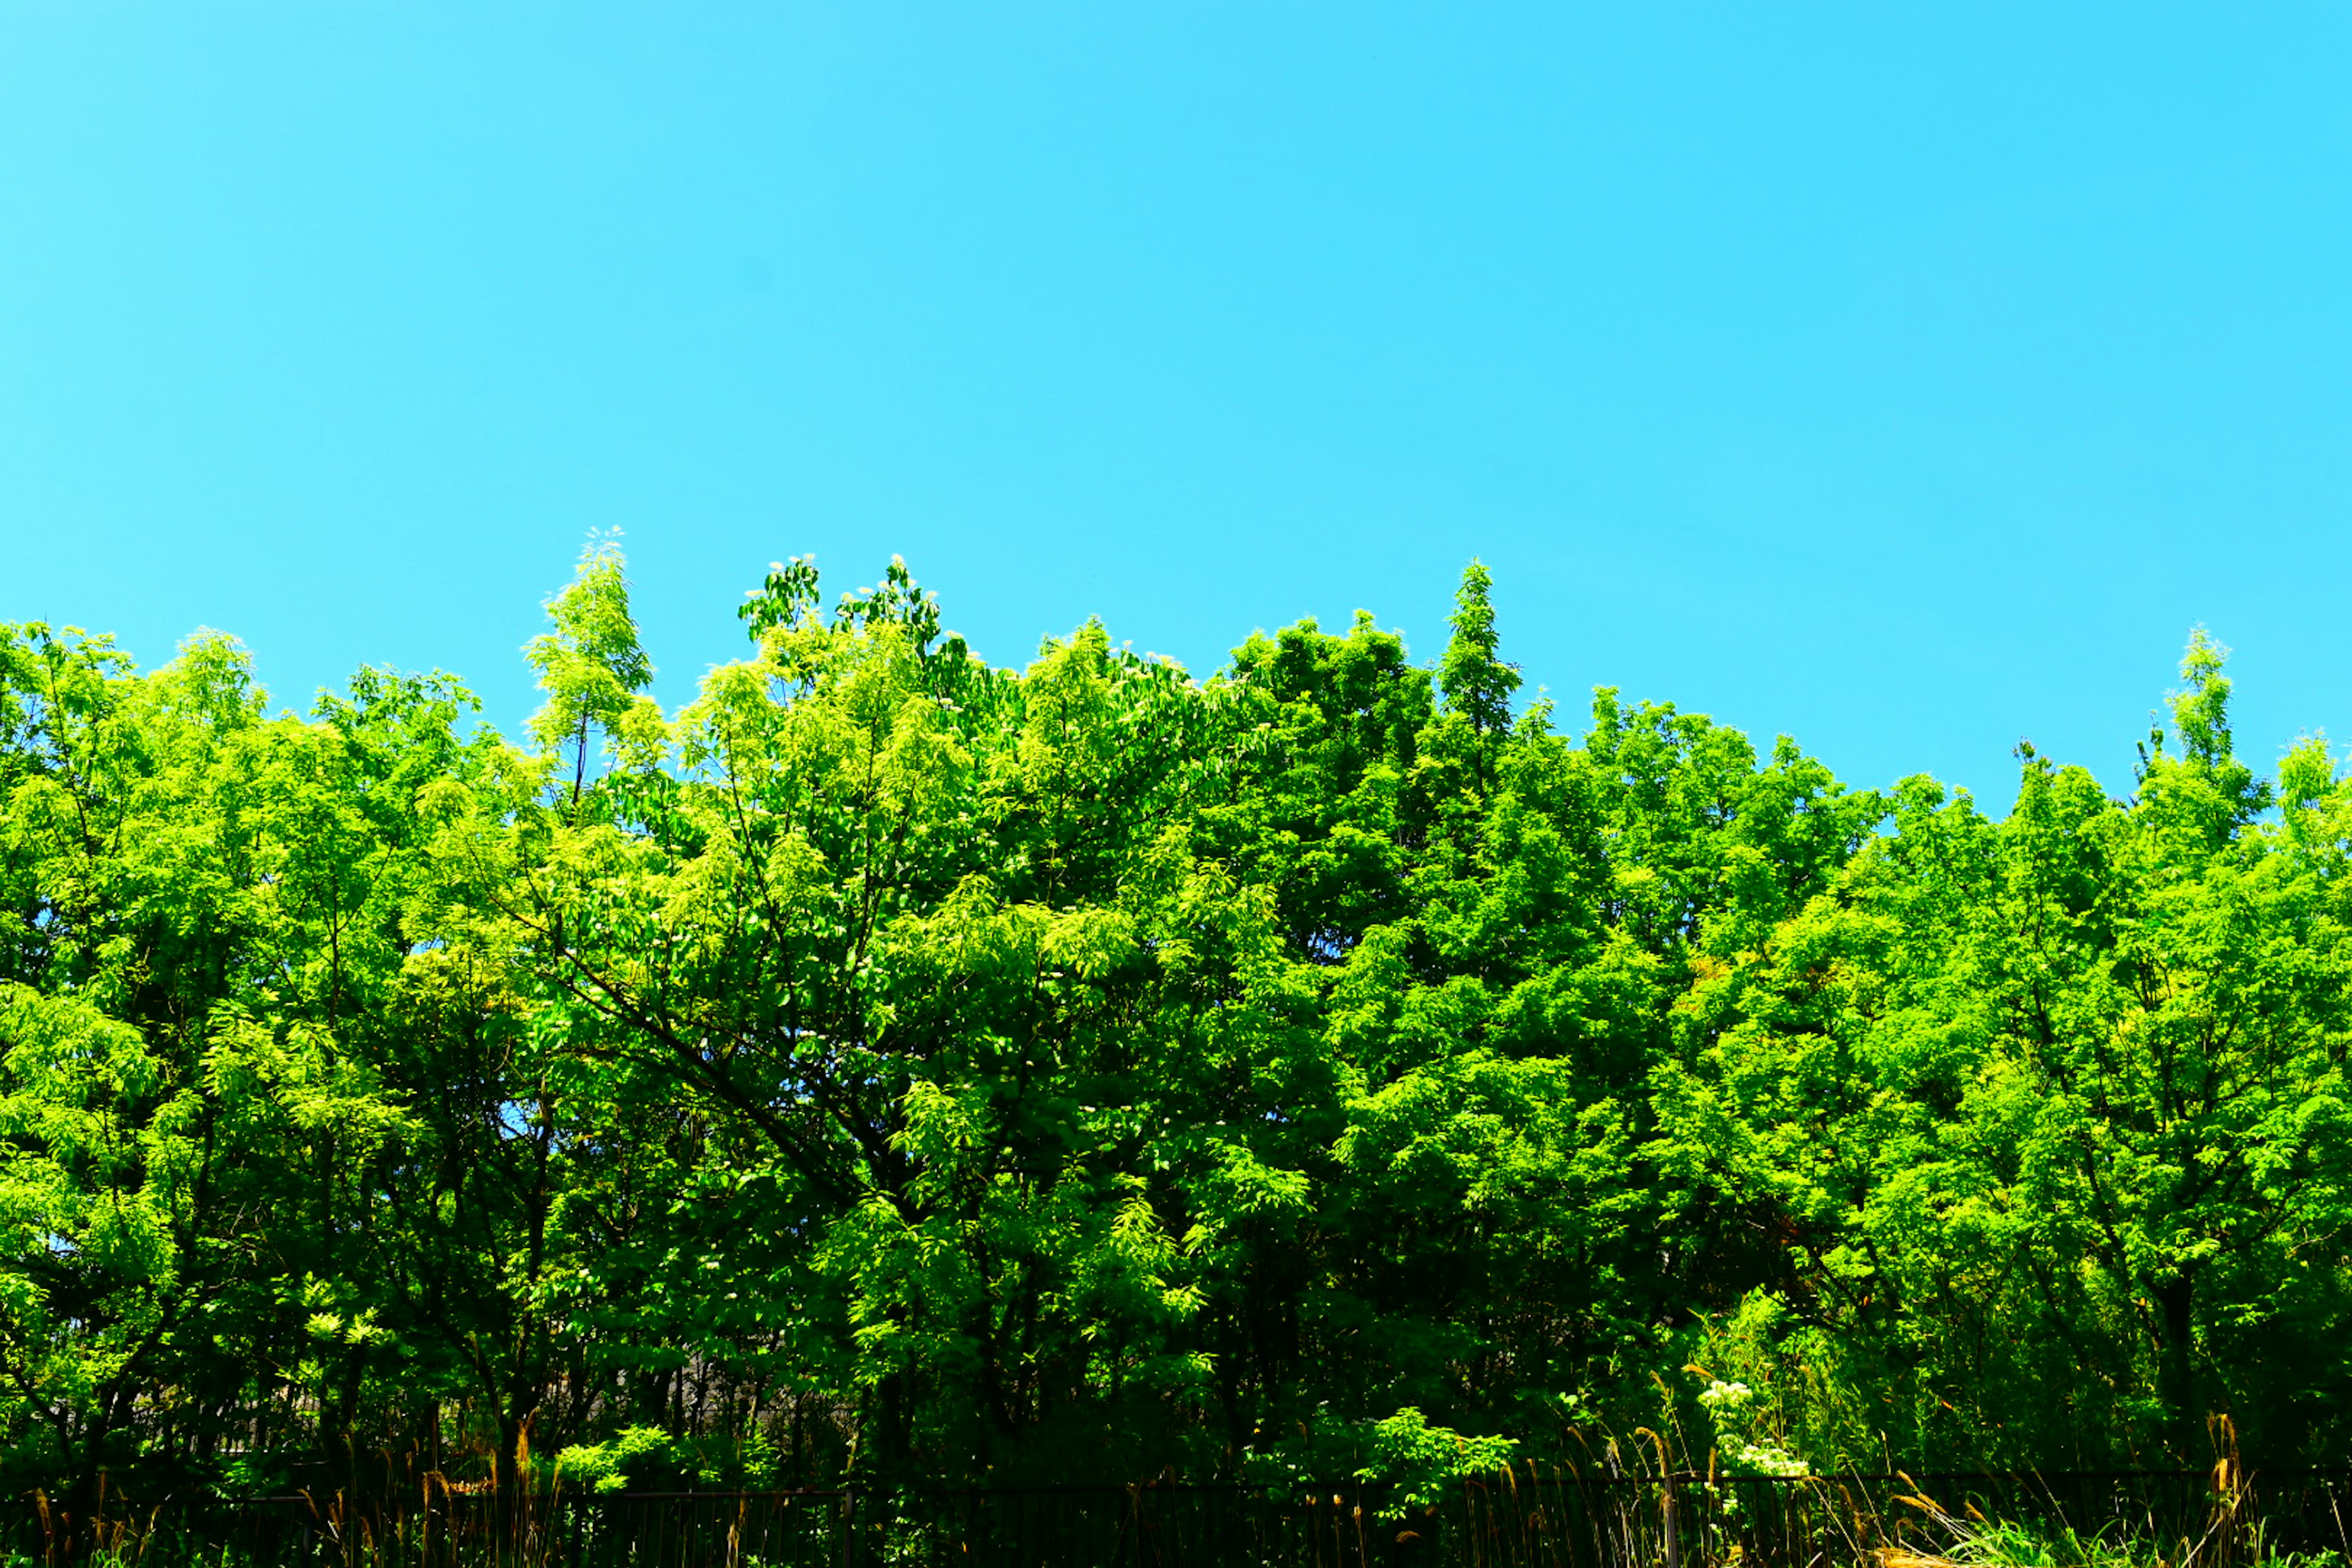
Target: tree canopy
(894,1067)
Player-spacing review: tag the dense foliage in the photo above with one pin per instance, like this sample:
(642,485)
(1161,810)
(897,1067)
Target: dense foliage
(894,1066)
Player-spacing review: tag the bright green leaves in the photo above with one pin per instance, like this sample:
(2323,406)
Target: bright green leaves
(1476,684)
(2201,713)
(1421,1463)
(296,1087)
(1335,725)
(599,1465)
(928,946)
(789,592)
(2028,1093)
(590,664)
(98,1167)
(200,1072)
(2206,790)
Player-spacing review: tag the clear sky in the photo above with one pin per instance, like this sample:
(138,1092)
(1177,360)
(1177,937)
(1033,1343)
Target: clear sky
(1909,378)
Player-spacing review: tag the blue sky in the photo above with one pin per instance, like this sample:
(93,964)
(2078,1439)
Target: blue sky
(1908,379)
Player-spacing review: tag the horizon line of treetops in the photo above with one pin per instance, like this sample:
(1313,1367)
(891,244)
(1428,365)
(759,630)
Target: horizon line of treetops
(891,1067)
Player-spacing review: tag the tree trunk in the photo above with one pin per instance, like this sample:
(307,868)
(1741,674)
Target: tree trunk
(2176,1352)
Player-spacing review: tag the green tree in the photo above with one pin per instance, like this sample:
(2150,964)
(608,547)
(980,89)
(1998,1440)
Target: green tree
(2051,1113)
